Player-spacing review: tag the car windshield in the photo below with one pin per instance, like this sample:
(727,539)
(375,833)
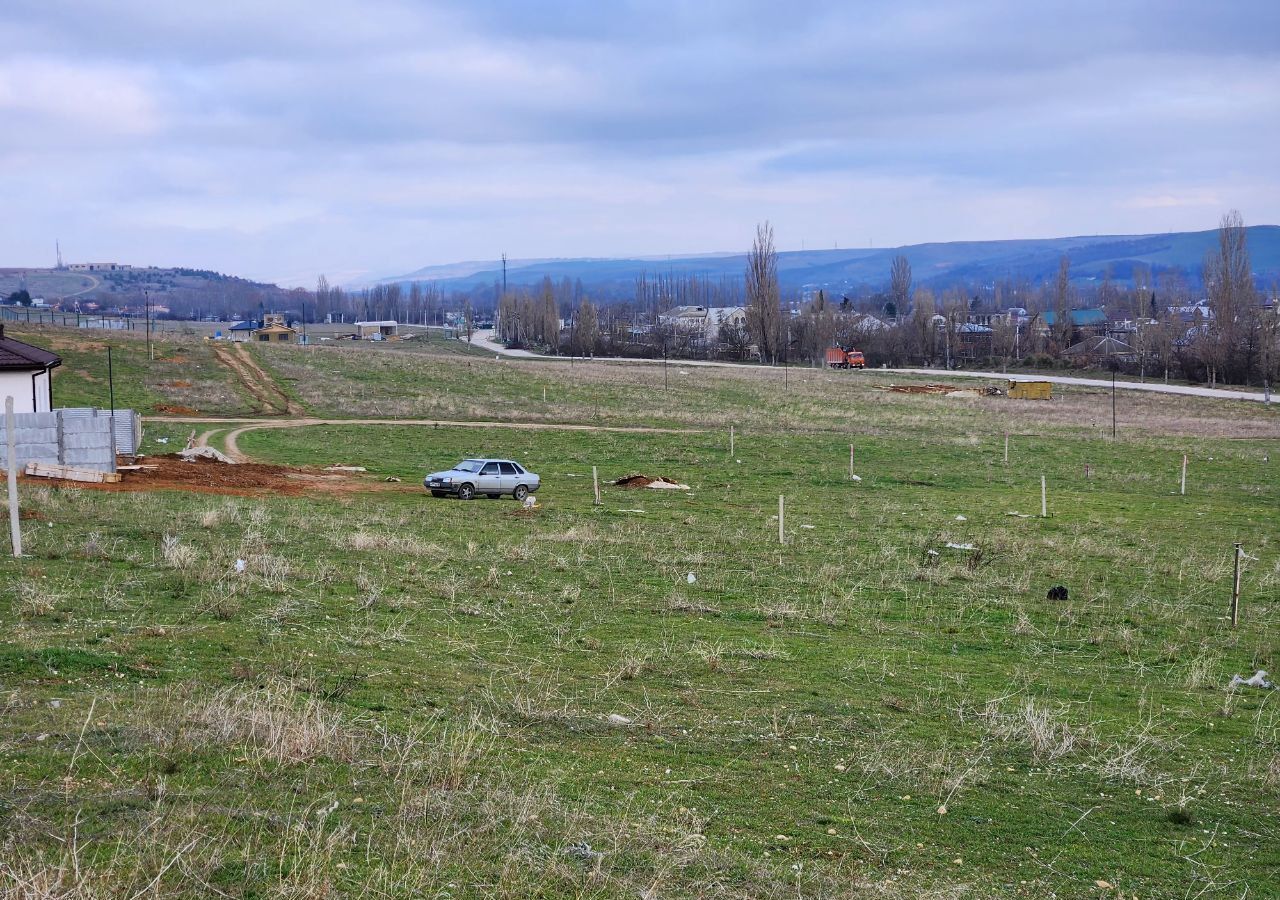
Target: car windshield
(468,465)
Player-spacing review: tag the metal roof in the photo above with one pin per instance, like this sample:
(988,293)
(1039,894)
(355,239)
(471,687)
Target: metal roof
(17,355)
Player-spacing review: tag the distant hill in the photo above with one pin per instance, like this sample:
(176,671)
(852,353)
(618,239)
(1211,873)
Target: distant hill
(166,286)
(939,265)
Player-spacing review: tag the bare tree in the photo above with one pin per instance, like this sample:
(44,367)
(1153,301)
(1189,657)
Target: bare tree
(1062,324)
(1228,278)
(900,284)
(586,328)
(764,300)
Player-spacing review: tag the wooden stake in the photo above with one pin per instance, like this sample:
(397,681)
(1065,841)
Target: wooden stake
(11,445)
(595,484)
(851,462)
(1006,446)
(544,393)
(1235,589)
(782,517)
(731,440)
(1044,499)
(1184,474)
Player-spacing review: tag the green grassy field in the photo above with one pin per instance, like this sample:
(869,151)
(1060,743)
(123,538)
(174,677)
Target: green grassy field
(415,697)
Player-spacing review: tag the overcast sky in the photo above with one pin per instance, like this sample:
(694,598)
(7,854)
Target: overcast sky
(279,139)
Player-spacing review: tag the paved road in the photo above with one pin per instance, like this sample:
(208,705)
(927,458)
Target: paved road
(485,340)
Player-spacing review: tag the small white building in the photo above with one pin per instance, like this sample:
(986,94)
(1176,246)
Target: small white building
(377,331)
(25,375)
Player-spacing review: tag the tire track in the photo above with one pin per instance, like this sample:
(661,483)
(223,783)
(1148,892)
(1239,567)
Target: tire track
(272,400)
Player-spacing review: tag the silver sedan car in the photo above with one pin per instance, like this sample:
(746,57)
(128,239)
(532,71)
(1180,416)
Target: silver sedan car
(490,477)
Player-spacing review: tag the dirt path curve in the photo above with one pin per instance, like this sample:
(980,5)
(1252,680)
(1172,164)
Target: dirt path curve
(240,426)
(260,385)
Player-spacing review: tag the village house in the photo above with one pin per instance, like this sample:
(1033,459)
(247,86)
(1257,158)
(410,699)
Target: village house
(275,333)
(241,331)
(25,375)
(1085,322)
(703,322)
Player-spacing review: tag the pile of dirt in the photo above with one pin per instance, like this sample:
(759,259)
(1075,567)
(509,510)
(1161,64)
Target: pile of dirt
(661,482)
(176,410)
(208,476)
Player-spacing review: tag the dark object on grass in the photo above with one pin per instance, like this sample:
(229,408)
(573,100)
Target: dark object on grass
(1057,592)
(1180,815)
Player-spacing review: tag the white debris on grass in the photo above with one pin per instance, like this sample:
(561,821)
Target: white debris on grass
(961,519)
(691,578)
(639,512)
(619,719)
(951,546)
(240,566)
(1019,515)
(194,453)
(1258,680)
(341,468)
(856,477)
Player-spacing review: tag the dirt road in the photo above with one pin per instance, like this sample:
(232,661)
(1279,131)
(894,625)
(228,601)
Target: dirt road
(261,386)
(240,426)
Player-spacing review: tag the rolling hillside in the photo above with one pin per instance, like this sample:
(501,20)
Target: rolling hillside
(938,264)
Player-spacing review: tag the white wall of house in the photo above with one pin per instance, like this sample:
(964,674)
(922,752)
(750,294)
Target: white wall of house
(19,386)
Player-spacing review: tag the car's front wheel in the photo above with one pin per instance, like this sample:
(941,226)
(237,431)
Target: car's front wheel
(520,492)
(466,492)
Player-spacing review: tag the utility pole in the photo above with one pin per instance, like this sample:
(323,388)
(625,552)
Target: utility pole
(1113,401)
(504,274)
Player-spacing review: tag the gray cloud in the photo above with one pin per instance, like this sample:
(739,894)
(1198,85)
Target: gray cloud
(282,139)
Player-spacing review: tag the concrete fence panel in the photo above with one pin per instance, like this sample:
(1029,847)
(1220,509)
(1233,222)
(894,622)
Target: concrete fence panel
(86,439)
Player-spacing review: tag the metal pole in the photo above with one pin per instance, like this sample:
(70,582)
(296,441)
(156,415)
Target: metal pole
(1235,587)
(1044,499)
(146,299)
(782,517)
(111,380)
(11,442)
(1113,404)
(1184,474)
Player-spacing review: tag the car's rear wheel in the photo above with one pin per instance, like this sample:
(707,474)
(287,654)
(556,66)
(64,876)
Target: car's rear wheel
(520,492)
(466,491)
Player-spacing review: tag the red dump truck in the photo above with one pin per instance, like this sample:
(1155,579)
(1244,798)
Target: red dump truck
(845,359)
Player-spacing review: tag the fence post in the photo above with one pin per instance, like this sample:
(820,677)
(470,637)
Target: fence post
(1184,474)
(1235,588)
(1044,499)
(1006,446)
(595,484)
(782,517)
(731,440)
(851,462)
(11,446)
